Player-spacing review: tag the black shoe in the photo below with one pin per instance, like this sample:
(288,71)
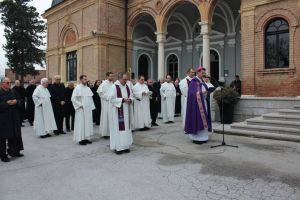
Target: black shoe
(48,135)
(118,152)
(22,125)
(5,159)
(31,124)
(43,136)
(82,142)
(154,124)
(171,122)
(56,132)
(63,133)
(199,142)
(126,151)
(87,141)
(16,155)
(106,137)
(68,130)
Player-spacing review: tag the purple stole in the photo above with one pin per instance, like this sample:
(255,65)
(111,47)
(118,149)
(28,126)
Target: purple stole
(201,104)
(120,110)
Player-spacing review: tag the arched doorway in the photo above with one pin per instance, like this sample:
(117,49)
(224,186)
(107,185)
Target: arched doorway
(172,66)
(144,65)
(214,65)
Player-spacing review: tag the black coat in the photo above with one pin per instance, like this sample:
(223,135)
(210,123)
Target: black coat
(154,101)
(57,92)
(178,100)
(21,94)
(9,116)
(96,98)
(69,108)
(29,102)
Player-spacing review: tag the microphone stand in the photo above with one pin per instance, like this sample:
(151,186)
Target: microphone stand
(222,119)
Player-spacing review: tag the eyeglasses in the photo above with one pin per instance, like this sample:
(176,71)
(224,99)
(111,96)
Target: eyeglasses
(7,82)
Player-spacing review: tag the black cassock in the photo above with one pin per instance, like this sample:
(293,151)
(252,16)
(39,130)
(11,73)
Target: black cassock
(178,100)
(21,93)
(57,92)
(10,124)
(29,103)
(97,102)
(69,109)
(157,87)
(154,103)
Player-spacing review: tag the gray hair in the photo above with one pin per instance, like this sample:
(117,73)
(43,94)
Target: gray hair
(3,79)
(44,80)
(120,75)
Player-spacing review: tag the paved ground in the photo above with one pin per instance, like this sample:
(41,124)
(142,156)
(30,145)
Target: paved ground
(163,165)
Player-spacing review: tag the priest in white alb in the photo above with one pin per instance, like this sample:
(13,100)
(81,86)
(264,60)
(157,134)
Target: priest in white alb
(104,92)
(121,115)
(168,98)
(82,99)
(184,88)
(141,93)
(44,121)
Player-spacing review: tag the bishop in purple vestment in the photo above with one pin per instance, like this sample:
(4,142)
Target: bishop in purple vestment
(197,122)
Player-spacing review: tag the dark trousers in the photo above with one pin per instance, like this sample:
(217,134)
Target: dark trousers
(59,117)
(30,112)
(12,146)
(96,116)
(153,111)
(68,116)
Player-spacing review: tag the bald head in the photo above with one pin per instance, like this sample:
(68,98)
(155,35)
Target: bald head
(17,83)
(5,83)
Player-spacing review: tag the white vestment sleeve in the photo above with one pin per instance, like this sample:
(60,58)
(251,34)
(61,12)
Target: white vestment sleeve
(36,97)
(115,101)
(183,87)
(162,92)
(76,100)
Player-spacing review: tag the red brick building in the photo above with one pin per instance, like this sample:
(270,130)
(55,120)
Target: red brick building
(12,76)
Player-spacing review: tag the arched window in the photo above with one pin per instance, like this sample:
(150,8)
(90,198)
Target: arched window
(172,66)
(277,44)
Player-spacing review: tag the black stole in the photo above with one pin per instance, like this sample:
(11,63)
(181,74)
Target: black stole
(120,110)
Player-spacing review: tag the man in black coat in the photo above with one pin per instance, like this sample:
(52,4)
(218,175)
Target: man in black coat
(57,92)
(10,135)
(237,84)
(29,102)
(20,92)
(154,102)
(69,109)
(97,102)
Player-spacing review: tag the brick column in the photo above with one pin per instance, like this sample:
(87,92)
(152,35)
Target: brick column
(248,52)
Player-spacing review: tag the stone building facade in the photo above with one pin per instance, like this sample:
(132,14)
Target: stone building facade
(256,39)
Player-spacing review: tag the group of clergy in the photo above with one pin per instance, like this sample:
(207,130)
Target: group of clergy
(124,108)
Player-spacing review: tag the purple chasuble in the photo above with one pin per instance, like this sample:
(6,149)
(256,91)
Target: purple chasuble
(120,110)
(196,112)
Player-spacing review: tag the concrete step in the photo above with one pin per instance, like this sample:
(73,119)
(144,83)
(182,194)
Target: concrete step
(260,121)
(297,107)
(268,129)
(289,112)
(281,117)
(265,135)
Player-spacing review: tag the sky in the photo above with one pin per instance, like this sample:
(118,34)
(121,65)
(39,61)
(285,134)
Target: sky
(41,6)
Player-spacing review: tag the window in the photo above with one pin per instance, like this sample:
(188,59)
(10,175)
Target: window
(172,65)
(277,44)
(72,66)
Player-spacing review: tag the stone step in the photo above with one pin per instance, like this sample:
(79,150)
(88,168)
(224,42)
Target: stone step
(268,129)
(281,117)
(260,121)
(289,112)
(265,135)
(297,107)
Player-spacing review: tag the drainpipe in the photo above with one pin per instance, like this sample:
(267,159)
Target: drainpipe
(126,33)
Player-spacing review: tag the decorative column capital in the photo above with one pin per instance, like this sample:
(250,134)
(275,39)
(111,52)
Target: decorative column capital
(161,37)
(205,28)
